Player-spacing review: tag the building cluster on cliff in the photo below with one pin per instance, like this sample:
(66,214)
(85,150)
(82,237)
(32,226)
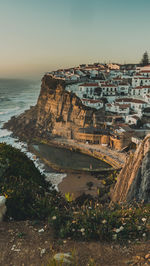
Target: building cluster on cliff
(120,92)
(115,88)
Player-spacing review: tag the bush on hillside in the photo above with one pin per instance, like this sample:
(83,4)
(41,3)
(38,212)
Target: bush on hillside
(28,194)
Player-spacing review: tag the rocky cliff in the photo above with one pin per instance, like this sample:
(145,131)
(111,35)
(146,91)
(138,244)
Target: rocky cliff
(57,113)
(134,179)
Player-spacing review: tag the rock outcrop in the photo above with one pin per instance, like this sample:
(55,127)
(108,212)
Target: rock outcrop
(133,182)
(57,113)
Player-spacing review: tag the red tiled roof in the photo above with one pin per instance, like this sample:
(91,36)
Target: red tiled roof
(123,84)
(145,71)
(129,100)
(125,105)
(108,85)
(117,78)
(135,117)
(91,101)
(143,78)
(142,87)
(89,85)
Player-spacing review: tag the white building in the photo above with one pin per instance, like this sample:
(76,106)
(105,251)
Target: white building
(123,109)
(123,89)
(147,98)
(140,90)
(145,73)
(93,103)
(132,119)
(87,89)
(109,89)
(136,105)
(140,81)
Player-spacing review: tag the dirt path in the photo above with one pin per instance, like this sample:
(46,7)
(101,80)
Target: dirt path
(21,243)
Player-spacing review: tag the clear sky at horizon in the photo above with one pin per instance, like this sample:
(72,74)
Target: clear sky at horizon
(38,36)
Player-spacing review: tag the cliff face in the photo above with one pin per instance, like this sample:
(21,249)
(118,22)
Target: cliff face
(134,179)
(57,112)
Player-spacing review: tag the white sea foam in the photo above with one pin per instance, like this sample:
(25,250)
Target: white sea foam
(18,102)
(4,133)
(11,110)
(55,178)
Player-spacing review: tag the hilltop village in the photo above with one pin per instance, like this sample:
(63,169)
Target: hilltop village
(120,94)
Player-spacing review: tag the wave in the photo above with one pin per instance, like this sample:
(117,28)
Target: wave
(8,111)
(4,133)
(55,178)
(52,177)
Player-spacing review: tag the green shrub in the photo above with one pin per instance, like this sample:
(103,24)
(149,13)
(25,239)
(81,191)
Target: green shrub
(29,196)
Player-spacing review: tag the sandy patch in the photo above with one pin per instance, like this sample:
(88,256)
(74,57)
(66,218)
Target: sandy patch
(76,183)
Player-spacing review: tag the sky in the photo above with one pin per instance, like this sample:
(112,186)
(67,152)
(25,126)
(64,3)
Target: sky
(37,36)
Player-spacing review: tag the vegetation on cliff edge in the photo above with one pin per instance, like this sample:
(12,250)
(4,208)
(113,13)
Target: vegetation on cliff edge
(29,196)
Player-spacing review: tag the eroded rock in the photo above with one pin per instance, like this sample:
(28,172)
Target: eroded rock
(134,180)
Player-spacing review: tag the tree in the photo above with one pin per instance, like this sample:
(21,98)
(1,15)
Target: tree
(145,59)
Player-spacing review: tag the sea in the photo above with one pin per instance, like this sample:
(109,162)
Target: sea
(16,96)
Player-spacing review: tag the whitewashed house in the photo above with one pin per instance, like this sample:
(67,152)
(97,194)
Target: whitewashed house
(98,104)
(109,89)
(140,81)
(136,105)
(147,98)
(145,73)
(123,88)
(123,109)
(140,90)
(87,89)
(132,119)
(117,80)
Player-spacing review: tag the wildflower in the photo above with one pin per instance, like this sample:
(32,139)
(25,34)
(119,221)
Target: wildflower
(119,229)
(73,230)
(143,219)
(75,212)
(82,230)
(104,222)
(114,237)
(54,218)
(139,227)
(41,230)
(144,235)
